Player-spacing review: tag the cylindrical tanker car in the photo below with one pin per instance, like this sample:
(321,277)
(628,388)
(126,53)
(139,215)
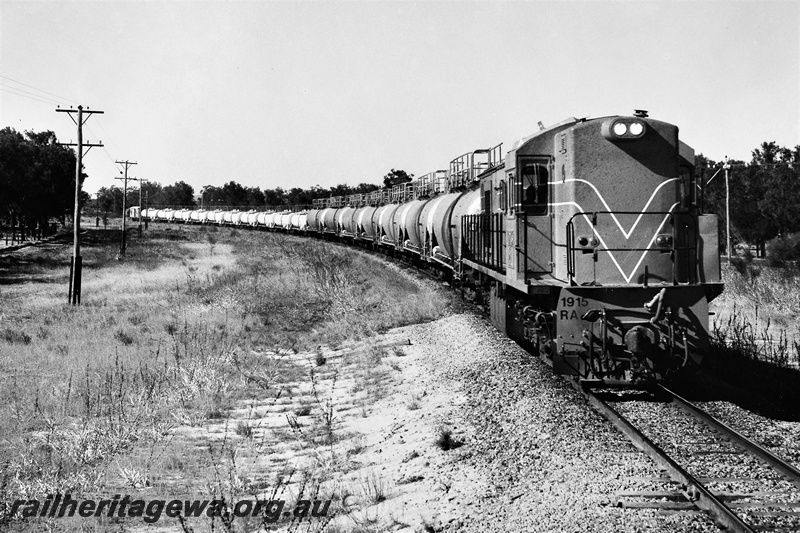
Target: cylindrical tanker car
(586,240)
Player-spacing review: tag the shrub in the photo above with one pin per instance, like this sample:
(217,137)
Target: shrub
(12,336)
(123,337)
(744,264)
(303,411)
(243,429)
(374,488)
(445,441)
(783,249)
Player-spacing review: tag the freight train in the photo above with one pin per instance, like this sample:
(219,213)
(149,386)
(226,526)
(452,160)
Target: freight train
(586,241)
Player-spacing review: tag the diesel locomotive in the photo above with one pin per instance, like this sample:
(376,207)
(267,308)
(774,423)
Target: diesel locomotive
(586,242)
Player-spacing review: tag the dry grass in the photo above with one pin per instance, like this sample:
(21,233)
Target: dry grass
(758,315)
(103,397)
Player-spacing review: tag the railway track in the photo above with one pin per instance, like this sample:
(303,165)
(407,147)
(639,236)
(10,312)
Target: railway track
(711,467)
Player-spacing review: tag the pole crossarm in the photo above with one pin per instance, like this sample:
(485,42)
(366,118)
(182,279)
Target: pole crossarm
(88,146)
(81,112)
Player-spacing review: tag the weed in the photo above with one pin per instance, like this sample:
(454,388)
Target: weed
(429,527)
(243,429)
(358,447)
(373,488)
(123,337)
(445,441)
(410,479)
(413,402)
(375,354)
(303,411)
(12,336)
(413,454)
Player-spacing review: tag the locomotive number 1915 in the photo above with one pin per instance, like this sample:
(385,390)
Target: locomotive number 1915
(568,307)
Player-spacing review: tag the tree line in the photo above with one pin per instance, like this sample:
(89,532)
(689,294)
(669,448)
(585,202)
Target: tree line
(37,185)
(230,195)
(37,179)
(764,195)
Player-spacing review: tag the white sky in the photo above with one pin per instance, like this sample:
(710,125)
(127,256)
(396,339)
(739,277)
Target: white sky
(294,94)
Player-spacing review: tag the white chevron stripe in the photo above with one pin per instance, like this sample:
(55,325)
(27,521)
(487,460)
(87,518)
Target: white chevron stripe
(628,233)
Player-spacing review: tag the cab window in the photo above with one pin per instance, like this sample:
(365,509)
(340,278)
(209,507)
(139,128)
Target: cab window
(535,176)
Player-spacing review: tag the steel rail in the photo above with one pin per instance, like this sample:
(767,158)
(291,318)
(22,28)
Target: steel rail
(787,470)
(700,495)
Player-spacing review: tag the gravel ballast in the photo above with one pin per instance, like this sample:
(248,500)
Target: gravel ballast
(535,456)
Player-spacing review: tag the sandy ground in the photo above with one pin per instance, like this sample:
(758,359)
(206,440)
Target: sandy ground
(536,459)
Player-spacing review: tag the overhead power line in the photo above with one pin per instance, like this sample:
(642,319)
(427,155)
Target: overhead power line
(13,91)
(37,89)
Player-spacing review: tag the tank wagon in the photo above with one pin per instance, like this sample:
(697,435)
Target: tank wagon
(586,240)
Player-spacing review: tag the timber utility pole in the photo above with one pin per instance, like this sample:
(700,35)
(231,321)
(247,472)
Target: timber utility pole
(124,201)
(75,266)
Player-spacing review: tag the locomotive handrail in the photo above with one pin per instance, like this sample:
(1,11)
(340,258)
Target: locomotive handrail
(483,236)
(673,247)
(570,252)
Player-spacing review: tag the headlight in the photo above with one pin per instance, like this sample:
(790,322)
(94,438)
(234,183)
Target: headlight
(623,129)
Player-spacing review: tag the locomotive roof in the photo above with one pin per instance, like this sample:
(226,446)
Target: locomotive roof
(525,140)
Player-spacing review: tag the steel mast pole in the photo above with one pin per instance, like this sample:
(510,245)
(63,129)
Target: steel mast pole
(727,166)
